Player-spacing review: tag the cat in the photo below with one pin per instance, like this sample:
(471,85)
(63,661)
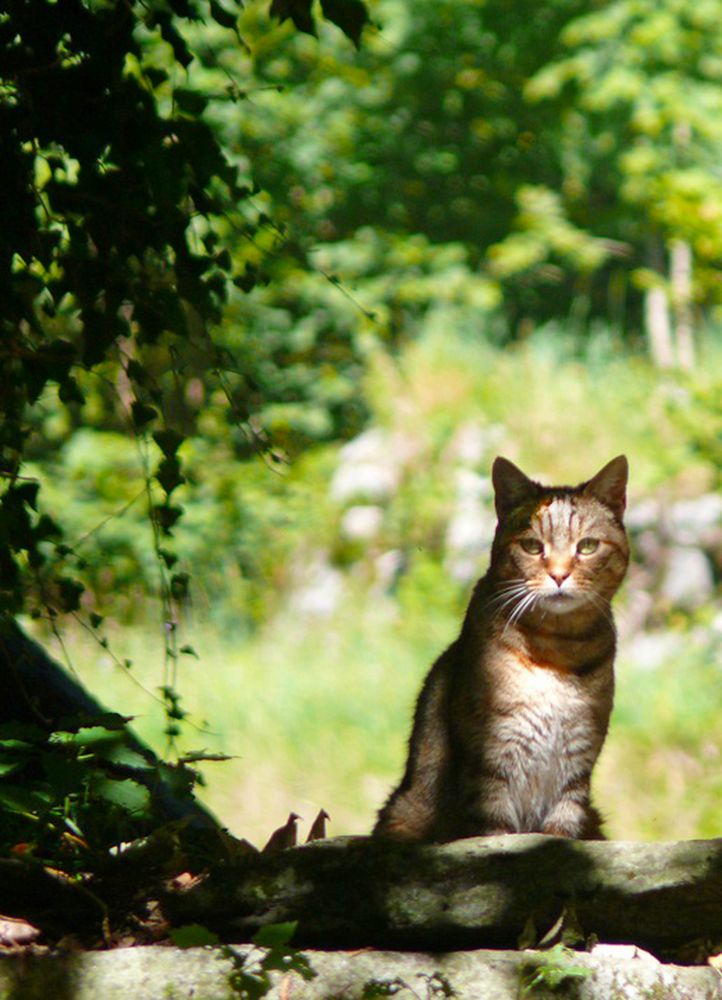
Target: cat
(512,717)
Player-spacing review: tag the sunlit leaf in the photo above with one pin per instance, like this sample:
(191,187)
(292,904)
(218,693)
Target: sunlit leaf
(127,794)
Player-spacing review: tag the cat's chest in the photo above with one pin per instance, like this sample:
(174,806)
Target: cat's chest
(543,711)
(542,735)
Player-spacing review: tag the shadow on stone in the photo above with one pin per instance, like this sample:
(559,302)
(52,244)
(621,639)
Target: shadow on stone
(481,892)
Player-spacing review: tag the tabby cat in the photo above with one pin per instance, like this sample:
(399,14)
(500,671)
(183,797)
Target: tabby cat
(512,717)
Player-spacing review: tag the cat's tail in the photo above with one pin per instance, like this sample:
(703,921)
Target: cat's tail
(414,811)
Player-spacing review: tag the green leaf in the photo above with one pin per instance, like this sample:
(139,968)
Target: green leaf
(190,101)
(168,440)
(553,969)
(126,757)
(23,800)
(299,11)
(179,779)
(174,39)
(275,935)
(70,392)
(128,795)
(192,936)
(179,585)
(224,260)
(246,281)
(28,493)
(88,736)
(8,765)
(348,15)
(46,528)
(221,16)
(166,516)
(169,475)
(173,703)
(142,414)
(169,558)
(69,592)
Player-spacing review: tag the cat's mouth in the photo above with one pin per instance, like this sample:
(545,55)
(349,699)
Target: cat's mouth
(561,599)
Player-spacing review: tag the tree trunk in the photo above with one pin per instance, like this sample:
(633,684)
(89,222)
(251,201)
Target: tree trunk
(481,892)
(680,266)
(659,330)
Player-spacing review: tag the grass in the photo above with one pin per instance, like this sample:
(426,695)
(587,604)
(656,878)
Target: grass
(660,775)
(317,715)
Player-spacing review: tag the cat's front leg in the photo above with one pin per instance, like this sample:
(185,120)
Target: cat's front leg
(565,820)
(574,816)
(491,812)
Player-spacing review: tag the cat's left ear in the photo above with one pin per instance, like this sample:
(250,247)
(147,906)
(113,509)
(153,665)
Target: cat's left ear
(610,485)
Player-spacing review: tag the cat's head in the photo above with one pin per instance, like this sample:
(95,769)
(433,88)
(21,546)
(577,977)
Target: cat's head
(559,548)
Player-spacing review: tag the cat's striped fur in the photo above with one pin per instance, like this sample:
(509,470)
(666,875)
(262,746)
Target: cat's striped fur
(512,717)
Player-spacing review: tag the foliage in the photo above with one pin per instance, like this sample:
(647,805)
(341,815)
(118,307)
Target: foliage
(249,527)
(241,525)
(102,240)
(251,973)
(114,198)
(435,985)
(565,148)
(328,201)
(556,968)
(112,252)
(640,99)
(68,795)
(426,134)
(697,409)
(251,976)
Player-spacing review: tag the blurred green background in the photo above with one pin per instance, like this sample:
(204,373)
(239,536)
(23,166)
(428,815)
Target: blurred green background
(493,230)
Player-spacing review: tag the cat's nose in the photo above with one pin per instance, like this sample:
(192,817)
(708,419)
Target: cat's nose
(558,575)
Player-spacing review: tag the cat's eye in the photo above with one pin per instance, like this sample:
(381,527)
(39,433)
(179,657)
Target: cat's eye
(532,545)
(587,545)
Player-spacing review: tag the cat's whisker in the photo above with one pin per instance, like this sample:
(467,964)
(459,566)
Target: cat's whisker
(514,600)
(537,600)
(509,597)
(504,600)
(511,586)
(523,605)
(527,605)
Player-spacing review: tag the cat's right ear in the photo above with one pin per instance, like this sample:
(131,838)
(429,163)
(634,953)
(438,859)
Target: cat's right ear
(610,485)
(511,486)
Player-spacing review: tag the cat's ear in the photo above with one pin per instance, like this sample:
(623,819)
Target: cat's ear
(610,485)
(511,486)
